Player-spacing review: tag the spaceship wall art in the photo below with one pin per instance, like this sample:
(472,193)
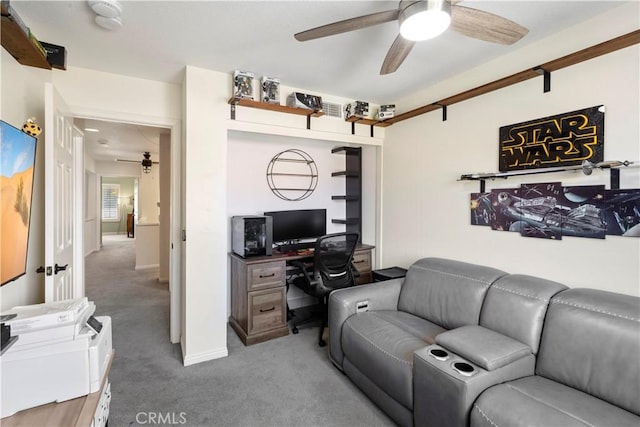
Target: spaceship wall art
(551,211)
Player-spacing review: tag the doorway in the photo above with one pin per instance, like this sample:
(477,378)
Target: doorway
(114,151)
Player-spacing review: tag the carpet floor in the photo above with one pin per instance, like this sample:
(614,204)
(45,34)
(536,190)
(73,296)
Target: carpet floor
(287,381)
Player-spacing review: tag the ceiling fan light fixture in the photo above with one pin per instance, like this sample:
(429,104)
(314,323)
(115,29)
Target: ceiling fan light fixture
(146,162)
(423,20)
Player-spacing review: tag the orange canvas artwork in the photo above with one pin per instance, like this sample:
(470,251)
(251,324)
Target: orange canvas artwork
(16,185)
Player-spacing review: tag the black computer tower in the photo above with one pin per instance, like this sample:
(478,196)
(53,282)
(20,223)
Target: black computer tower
(251,235)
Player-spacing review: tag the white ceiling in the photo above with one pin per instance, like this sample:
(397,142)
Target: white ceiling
(120,141)
(160,37)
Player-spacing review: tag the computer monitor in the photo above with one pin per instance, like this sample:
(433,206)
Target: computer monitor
(299,224)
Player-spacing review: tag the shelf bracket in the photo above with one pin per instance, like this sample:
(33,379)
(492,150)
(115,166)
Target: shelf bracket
(309,122)
(372,131)
(547,78)
(615,178)
(444,110)
(353,128)
(483,186)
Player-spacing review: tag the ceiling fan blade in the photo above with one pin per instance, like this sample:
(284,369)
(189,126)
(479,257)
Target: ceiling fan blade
(348,25)
(396,55)
(485,26)
(135,161)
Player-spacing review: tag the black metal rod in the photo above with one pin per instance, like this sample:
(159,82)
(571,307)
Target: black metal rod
(615,178)
(547,81)
(546,75)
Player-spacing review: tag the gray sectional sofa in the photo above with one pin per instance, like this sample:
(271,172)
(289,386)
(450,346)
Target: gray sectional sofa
(457,344)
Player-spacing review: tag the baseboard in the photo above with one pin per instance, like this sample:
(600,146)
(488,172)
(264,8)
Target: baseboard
(189,360)
(147,267)
(90,252)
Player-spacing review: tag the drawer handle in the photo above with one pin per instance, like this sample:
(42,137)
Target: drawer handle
(358,262)
(262,276)
(268,309)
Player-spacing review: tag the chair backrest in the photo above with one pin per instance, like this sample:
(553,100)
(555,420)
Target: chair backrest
(516,305)
(591,342)
(332,260)
(446,292)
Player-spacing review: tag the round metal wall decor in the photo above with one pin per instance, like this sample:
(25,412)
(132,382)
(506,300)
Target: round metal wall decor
(292,175)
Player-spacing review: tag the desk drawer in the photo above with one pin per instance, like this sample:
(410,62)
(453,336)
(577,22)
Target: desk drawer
(266,275)
(266,310)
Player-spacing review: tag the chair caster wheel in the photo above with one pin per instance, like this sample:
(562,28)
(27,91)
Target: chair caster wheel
(322,343)
(294,330)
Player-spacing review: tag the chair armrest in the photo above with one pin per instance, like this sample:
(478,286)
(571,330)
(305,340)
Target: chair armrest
(342,305)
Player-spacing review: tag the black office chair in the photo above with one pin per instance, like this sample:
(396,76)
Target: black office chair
(332,269)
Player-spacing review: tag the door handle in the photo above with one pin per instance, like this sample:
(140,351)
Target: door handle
(40,269)
(57,268)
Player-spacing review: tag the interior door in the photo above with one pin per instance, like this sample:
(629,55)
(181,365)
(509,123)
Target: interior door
(60,280)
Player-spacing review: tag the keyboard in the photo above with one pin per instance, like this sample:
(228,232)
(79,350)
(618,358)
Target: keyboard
(295,247)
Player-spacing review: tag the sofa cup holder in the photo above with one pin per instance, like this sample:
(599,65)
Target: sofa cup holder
(463,368)
(439,354)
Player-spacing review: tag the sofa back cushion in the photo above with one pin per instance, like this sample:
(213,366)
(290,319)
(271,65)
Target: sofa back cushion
(591,342)
(446,292)
(516,305)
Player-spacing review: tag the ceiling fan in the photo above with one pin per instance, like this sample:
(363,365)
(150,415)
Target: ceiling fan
(146,162)
(421,20)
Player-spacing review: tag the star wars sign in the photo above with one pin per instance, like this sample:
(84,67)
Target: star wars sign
(563,140)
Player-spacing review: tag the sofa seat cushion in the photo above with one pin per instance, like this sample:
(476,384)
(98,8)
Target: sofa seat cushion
(381,344)
(538,401)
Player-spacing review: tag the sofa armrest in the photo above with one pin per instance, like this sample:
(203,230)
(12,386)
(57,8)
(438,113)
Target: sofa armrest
(484,347)
(342,305)
(445,385)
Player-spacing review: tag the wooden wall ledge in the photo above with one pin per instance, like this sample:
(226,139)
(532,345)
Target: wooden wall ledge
(612,45)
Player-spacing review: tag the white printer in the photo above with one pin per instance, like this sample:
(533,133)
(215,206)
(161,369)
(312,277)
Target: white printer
(62,352)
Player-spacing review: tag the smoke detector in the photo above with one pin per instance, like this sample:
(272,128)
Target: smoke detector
(106,8)
(109,23)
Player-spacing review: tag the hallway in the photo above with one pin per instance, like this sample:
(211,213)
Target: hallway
(139,310)
(136,302)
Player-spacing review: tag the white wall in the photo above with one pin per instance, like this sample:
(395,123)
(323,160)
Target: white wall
(248,192)
(204,330)
(147,246)
(426,211)
(22,91)
(149,197)
(165,204)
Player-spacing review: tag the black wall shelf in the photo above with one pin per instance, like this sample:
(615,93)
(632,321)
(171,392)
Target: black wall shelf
(353,189)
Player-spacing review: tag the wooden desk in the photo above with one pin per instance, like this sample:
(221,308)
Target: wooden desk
(259,296)
(78,412)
